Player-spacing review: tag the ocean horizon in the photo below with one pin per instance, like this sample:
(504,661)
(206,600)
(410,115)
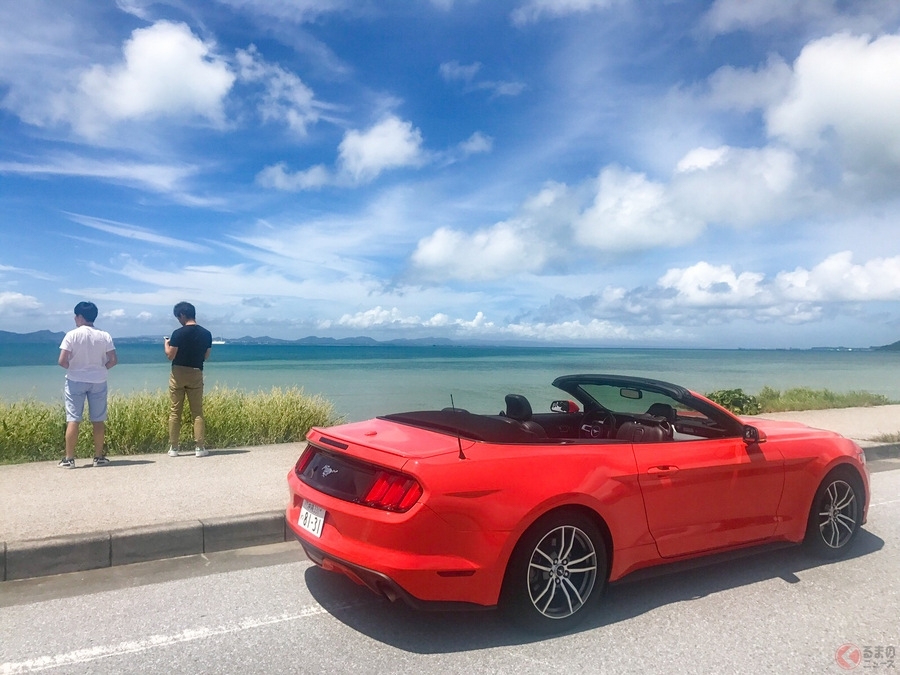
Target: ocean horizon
(364,381)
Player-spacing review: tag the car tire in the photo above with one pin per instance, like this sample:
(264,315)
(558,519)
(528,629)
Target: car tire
(836,514)
(557,569)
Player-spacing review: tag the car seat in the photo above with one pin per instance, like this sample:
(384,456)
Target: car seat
(519,409)
(663,410)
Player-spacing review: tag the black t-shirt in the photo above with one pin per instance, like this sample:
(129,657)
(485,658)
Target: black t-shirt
(192,342)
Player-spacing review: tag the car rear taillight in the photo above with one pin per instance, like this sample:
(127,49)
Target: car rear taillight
(392,492)
(302,462)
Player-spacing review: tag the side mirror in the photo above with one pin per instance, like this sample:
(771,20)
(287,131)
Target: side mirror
(564,407)
(753,435)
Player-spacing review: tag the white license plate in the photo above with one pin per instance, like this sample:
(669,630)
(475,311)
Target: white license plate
(312,517)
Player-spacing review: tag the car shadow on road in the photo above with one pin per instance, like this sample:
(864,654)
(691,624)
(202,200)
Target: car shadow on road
(419,632)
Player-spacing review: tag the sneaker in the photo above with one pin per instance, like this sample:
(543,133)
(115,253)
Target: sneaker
(173,451)
(67,463)
(201,452)
(101,461)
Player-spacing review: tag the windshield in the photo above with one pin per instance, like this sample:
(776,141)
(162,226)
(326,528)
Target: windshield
(627,399)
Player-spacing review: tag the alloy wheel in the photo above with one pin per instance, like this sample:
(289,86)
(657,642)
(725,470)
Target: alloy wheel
(562,572)
(838,514)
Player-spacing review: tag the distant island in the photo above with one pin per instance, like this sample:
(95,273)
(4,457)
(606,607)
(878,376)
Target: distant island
(45,336)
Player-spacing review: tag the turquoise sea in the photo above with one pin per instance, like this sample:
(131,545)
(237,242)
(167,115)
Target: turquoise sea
(367,381)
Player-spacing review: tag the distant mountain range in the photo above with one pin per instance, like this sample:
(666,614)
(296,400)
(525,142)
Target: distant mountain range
(44,336)
(37,336)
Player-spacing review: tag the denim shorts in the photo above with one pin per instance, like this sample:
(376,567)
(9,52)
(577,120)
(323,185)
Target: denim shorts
(77,392)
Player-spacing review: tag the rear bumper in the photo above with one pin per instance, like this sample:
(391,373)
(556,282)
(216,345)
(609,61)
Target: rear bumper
(381,584)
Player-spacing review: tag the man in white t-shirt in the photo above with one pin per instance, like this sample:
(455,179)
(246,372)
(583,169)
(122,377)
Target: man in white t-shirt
(87,354)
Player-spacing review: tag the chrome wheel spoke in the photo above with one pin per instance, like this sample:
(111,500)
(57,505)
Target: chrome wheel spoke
(838,514)
(562,572)
(845,501)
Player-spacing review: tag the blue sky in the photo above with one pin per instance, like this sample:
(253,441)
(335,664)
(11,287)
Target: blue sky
(591,172)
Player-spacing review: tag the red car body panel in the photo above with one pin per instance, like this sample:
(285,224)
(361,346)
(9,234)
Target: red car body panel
(655,502)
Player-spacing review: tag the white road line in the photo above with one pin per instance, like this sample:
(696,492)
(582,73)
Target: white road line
(891,501)
(80,656)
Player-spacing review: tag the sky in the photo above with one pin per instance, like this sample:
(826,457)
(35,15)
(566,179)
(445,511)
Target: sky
(608,173)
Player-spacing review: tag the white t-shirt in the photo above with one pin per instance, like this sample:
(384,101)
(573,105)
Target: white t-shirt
(88,360)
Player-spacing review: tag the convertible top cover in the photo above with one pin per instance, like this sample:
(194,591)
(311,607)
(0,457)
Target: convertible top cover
(462,423)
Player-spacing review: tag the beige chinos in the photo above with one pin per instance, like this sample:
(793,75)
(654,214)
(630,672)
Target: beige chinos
(188,382)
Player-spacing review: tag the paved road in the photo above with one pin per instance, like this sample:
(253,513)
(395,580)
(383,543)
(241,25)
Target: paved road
(265,610)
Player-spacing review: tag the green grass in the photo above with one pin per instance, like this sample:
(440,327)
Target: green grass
(33,431)
(138,423)
(799,398)
(803,398)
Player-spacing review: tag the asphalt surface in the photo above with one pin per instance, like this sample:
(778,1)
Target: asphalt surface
(151,507)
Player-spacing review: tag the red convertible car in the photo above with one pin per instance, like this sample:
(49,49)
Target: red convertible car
(535,512)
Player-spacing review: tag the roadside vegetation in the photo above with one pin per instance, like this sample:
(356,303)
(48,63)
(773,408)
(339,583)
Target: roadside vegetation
(33,431)
(801,398)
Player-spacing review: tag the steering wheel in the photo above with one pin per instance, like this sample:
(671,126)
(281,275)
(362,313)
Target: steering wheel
(598,424)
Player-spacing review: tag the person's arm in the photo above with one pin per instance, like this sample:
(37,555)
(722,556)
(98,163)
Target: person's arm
(170,350)
(111,359)
(206,355)
(64,356)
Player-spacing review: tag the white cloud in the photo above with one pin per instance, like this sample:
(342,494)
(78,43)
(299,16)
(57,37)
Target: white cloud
(837,279)
(162,178)
(166,71)
(136,233)
(390,144)
(290,11)
(570,331)
(454,70)
(845,90)
(825,15)
(10,302)
(524,244)
(736,186)
(34,274)
(713,286)
(748,89)
(377,316)
(492,253)
(286,99)
(631,212)
(278,177)
(476,143)
(533,10)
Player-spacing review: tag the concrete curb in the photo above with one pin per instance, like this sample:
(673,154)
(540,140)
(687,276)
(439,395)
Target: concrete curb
(881,451)
(80,552)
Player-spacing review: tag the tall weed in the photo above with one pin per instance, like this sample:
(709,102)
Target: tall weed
(137,423)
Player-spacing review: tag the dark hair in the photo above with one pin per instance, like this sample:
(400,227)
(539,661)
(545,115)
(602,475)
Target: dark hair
(185,309)
(88,310)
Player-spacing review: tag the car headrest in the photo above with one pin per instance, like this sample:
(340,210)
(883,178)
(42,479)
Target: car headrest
(662,410)
(518,407)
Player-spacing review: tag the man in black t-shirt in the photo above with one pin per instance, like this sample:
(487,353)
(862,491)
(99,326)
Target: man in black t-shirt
(187,349)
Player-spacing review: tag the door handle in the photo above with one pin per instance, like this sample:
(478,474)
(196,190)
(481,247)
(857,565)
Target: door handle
(662,470)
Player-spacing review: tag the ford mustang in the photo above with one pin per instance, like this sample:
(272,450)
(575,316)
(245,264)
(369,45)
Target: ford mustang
(535,512)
